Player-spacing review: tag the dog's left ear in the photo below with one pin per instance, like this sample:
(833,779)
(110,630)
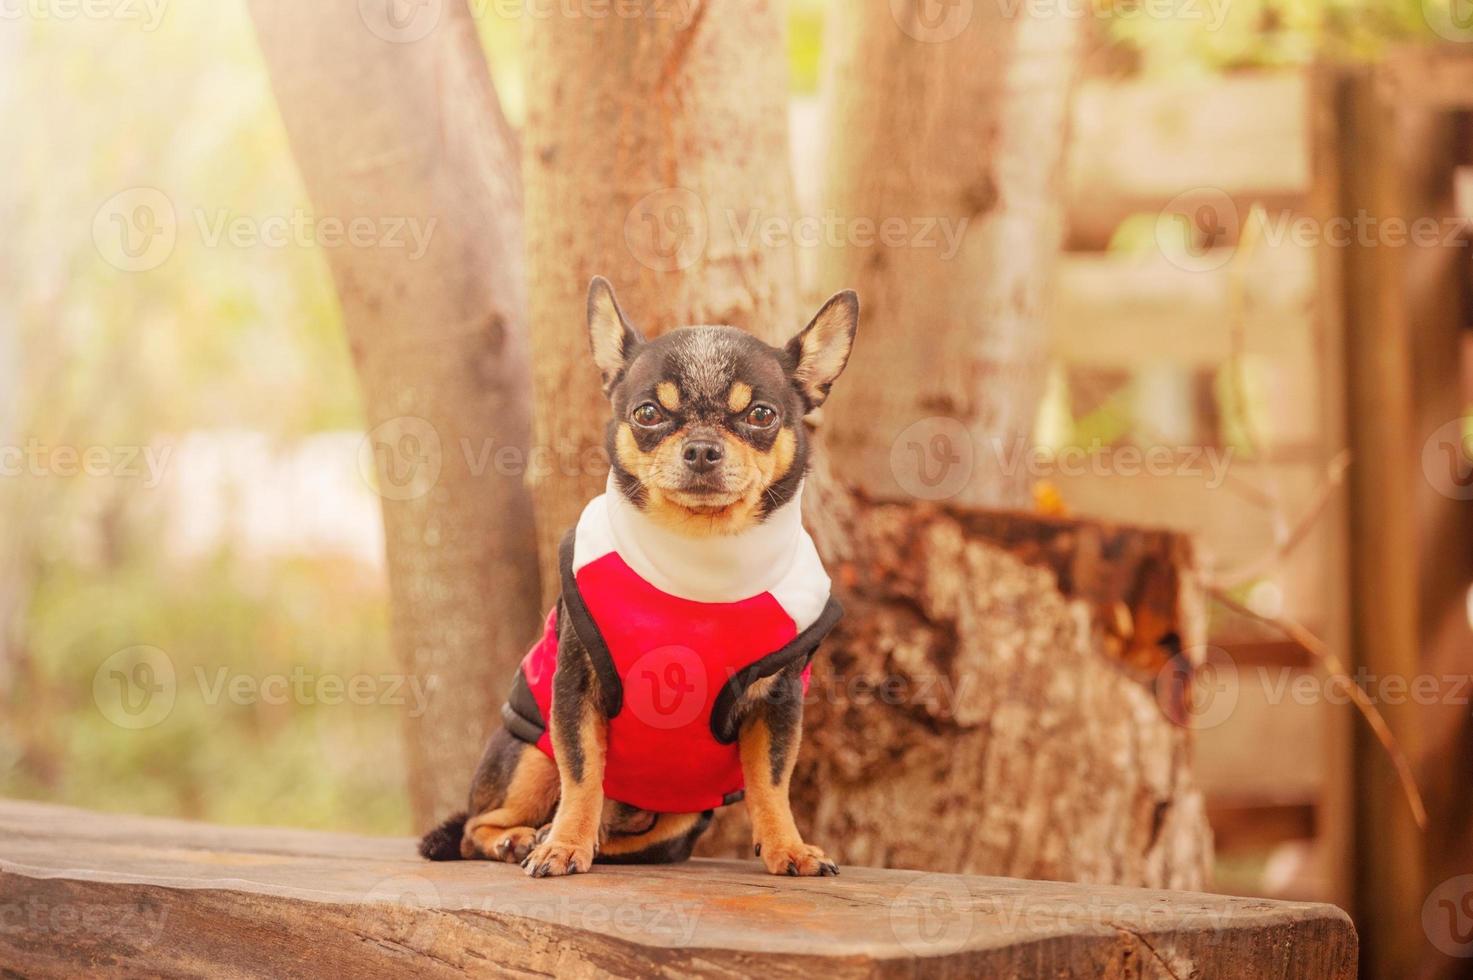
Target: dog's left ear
(821,349)
(611,337)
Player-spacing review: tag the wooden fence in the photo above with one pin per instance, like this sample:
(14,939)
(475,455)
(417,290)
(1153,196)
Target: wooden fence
(1245,240)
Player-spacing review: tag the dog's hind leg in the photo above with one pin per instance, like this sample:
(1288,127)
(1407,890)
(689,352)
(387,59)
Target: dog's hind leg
(514,792)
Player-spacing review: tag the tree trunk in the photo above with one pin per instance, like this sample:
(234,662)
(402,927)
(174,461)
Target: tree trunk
(655,148)
(954,114)
(396,128)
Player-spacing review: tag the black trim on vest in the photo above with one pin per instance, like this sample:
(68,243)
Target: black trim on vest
(588,632)
(520,713)
(800,647)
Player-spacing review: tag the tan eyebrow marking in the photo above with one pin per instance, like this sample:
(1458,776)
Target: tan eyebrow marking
(668,394)
(739,397)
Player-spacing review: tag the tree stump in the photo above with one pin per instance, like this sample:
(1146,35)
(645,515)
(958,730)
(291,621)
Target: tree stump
(1008,694)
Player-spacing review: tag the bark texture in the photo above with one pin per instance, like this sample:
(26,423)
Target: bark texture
(1002,696)
(945,116)
(405,128)
(655,152)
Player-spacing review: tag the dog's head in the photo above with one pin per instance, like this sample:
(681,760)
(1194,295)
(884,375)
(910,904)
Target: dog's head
(707,431)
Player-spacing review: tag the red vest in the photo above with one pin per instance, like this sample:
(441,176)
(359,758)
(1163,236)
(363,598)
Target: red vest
(672,671)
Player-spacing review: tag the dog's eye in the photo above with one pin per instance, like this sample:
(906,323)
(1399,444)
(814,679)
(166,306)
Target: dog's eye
(648,414)
(761,417)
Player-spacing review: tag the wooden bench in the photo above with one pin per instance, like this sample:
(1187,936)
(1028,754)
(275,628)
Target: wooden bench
(115,895)
(127,895)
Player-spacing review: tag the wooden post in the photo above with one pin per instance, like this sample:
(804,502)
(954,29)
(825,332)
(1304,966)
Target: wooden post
(1335,824)
(1411,561)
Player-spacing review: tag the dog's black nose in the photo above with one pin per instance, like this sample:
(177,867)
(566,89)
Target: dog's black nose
(702,455)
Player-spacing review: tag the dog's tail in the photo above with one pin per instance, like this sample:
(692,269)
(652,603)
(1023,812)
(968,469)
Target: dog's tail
(443,843)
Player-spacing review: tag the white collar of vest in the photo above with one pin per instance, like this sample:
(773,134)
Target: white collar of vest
(776,556)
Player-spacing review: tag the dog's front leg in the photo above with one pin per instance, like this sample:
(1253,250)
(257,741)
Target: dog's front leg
(769,738)
(579,732)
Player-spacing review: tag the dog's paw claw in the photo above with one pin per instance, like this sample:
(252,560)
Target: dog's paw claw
(553,859)
(796,860)
(514,847)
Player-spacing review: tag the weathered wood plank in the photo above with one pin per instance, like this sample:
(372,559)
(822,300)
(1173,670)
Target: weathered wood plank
(1128,310)
(1243,135)
(1431,76)
(128,896)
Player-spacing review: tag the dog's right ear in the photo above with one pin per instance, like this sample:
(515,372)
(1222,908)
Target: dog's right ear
(610,336)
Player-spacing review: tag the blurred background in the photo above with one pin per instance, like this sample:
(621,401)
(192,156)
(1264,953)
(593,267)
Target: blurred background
(183,431)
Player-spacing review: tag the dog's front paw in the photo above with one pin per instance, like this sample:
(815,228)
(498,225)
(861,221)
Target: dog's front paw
(795,858)
(555,858)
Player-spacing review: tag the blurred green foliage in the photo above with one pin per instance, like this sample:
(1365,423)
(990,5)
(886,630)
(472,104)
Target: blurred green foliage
(214,338)
(1224,35)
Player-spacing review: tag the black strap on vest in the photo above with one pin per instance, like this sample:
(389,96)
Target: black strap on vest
(609,684)
(520,714)
(800,648)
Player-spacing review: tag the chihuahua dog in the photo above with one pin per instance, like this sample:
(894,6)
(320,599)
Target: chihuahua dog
(670,675)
